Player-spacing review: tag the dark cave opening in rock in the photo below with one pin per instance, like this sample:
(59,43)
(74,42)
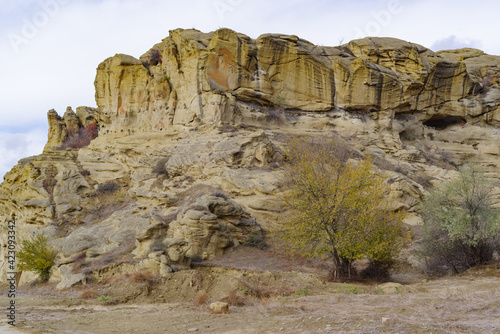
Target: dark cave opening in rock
(441,123)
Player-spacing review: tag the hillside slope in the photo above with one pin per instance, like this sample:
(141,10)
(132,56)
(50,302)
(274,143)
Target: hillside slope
(186,161)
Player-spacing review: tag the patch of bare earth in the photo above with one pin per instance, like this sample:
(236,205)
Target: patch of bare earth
(267,293)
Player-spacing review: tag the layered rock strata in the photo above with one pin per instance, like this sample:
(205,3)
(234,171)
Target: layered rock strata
(186,163)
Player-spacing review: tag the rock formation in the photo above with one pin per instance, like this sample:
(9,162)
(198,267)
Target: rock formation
(186,161)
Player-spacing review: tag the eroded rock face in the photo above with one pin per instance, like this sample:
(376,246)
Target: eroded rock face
(191,135)
(202,75)
(62,128)
(213,224)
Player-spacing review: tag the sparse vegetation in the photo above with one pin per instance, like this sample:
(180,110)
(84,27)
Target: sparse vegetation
(37,256)
(234,299)
(118,256)
(155,57)
(49,182)
(85,172)
(81,137)
(89,294)
(228,128)
(349,289)
(486,80)
(256,240)
(265,291)
(405,117)
(461,225)
(157,245)
(276,114)
(196,258)
(335,207)
(190,195)
(143,276)
(378,290)
(159,168)
(220,194)
(79,261)
(201,298)
(100,206)
(361,115)
(302,292)
(103,298)
(108,187)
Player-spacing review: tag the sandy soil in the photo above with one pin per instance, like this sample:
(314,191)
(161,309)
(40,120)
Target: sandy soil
(271,302)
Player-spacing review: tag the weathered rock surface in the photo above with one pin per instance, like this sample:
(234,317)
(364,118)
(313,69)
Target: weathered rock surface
(219,308)
(191,135)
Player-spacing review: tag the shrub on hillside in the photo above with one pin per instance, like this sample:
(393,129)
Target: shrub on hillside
(108,187)
(37,256)
(335,207)
(155,57)
(461,225)
(80,138)
(276,114)
(201,298)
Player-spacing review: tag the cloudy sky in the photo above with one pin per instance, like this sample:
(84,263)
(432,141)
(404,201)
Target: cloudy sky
(49,49)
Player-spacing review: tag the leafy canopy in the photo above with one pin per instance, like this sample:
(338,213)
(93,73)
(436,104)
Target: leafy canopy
(461,225)
(37,256)
(335,206)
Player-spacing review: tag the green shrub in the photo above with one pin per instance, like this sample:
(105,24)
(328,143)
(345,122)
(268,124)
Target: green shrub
(461,225)
(351,290)
(103,298)
(302,292)
(334,207)
(37,256)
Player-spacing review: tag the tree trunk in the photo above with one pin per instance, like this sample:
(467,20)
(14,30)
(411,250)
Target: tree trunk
(341,266)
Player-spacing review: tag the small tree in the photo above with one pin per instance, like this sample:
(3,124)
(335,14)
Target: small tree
(335,206)
(37,256)
(461,225)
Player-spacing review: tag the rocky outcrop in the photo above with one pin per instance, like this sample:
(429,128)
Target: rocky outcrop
(62,129)
(202,75)
(186,163)
(212,224)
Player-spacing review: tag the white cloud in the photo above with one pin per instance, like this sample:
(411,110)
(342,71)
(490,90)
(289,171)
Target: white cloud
(453,42)
(15,145)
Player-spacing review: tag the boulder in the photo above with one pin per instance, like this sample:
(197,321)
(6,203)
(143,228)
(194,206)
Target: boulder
(219,308)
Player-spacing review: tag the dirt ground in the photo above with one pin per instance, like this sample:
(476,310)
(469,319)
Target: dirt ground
(267,294)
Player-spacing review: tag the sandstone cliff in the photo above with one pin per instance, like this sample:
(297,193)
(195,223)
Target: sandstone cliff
(185,164)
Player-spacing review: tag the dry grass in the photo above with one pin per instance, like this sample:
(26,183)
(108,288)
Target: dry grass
(78,138)
(143,276)
(468,303)
(121,255)
(105,204)
(201,298)
(251,258)
(89,294)
(79,261)
(266,291)
(437,157)
(233,299)
(227,128)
